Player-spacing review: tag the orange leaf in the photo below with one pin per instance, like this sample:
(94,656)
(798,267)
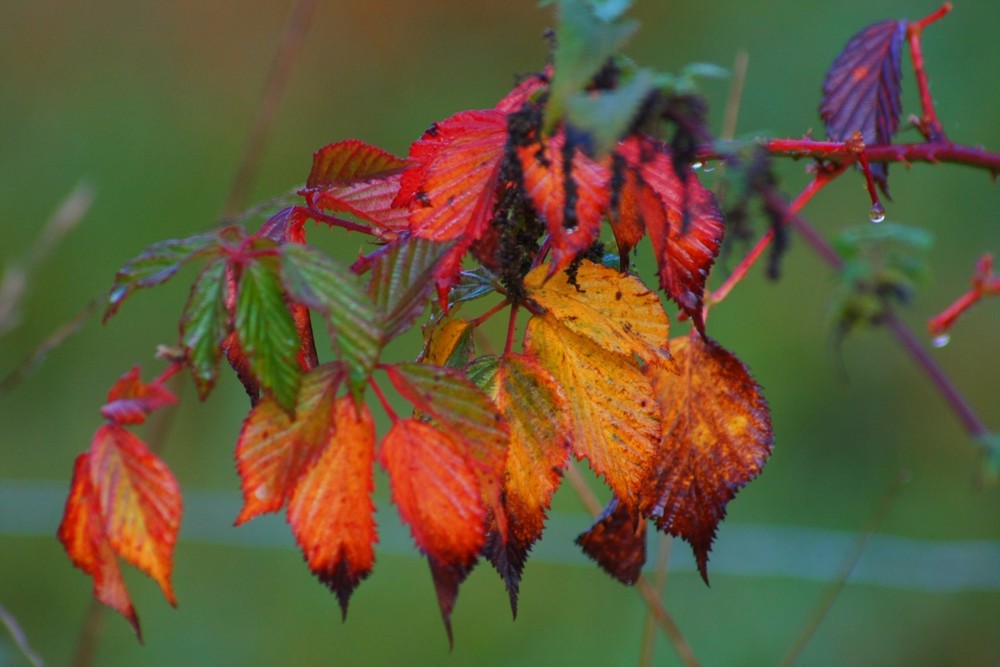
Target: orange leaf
(449,344)
(274,449)
(435,486)
(614,310)
(685,224)
(468,415)
(616,422)
(716,438)
(331,510)
(540,434)
(82,535)
(549,185)
(130,401)
(139,502)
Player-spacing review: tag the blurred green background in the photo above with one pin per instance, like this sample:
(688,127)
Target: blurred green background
(151,103)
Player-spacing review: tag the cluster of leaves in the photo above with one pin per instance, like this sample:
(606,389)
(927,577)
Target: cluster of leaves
(508,202)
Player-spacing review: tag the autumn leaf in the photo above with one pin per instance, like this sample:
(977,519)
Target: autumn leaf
(435,486)
(861,92)
(467,413)
(682,217)
(452,190)
(616,421)
(716,437)
(276,448)
(124,502)
(569,192)
(130,400)
(541,430)
(331,511)
(82,535)
(449,344)
(360,179)
(617,542)
(615,311)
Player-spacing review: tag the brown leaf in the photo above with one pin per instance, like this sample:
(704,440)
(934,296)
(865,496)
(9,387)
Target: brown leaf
(617,542)
(716,438)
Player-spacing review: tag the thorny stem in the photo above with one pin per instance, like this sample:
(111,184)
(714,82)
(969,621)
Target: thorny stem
(929,125)
(741,270)
(983,283)
(973,425)
(511,330)
(490,313)
(393,417)
(870,183)
(839,152)
(646,590)
(20,639)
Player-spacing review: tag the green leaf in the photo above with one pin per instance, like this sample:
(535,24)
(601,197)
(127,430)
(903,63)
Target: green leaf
(452,400)
(155,265)
(604,118)
(401,280)
(584,42)
(266,330)
(330,288)
(482,372)
(204,325)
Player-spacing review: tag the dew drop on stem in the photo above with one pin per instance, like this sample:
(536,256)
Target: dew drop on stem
(877,213)
(941,341)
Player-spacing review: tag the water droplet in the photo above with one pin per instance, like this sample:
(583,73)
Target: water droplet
(877,214)
(708,169)
(941,341)
(696,165)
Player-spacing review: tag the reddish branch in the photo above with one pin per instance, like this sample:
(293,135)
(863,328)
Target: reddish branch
(984,283)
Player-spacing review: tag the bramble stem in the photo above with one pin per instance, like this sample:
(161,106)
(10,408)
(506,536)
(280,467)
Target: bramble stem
(930,126)
(973,425)
(741,270)
(511,329)
(646,590)
(983,283)
(393,417)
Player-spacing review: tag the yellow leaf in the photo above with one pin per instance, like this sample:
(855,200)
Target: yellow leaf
(616,420)
(615,311)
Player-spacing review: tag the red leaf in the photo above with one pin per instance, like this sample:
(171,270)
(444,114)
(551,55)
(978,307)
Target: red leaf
(360,179)
(549,185)
(331,510)
(436,488)
(82,535)
(861,89)
(716,438)
(682,217)
(130,401)
(452,190)
(523,91)
(275,449)
(617,542)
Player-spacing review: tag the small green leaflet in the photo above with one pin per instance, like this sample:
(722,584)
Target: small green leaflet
(155,265)
(328,287)
(204,325)
(401,280)
(604,118)
(266,330)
